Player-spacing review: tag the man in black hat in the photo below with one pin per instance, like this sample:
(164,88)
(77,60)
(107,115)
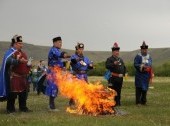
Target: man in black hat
(80,65)
(143,66)
(117,68)
(55,57)
(15,69)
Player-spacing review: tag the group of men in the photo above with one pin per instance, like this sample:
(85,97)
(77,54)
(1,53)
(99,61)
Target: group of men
(143,75)
(16,66)
(15,69)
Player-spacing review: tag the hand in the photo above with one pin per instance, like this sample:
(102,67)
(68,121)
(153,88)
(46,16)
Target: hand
(116,62)
(18,56)
(83,63)
(142,67)
(120,75)
(23,60)
(91,65)
(29,63)
(65,55)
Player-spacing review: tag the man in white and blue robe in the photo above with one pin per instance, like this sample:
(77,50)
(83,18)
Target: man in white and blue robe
(143,66)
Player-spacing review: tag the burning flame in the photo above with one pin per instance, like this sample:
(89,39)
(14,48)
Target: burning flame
(89,98)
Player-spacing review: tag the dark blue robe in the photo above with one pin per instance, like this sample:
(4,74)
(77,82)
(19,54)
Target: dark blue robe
(54,59)
(142,77)
(77,66)
(4,73)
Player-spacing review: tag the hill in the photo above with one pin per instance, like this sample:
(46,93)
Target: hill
(41,52)
(159,55)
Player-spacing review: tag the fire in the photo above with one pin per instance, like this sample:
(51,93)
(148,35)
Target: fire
(89,98)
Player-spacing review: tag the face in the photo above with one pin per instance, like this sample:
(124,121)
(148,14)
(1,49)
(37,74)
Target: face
(80,51)
(58,44)
(115,53)
(144,52)
(18,45)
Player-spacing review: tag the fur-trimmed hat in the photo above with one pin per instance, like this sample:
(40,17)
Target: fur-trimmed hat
(57,39)
(115,47)
(144,46)
(79,45)
(16,38)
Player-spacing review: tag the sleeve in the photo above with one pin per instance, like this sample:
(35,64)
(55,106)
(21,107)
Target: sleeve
(53,56)
(73,59)
(62,54)
(12,61)
(88,63)
(150,61)
(109,63)
(137,62)
(56,54)
(124,67)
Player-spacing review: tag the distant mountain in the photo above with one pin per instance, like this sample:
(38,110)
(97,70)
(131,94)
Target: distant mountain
(159,55)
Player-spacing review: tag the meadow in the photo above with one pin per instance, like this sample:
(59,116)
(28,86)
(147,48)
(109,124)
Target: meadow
(155,113)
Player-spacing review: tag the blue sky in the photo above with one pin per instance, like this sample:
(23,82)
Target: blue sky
(96,23)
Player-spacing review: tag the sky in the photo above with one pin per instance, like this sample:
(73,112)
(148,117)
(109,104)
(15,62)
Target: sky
(96,23)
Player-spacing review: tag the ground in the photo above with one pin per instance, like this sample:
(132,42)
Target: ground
(156,113)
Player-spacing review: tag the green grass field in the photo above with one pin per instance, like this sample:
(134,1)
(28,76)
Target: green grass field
(156,113)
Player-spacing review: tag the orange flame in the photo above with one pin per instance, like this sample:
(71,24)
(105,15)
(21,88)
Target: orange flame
(89,98)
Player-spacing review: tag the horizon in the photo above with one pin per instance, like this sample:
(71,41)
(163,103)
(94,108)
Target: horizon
(98,24)
(91,50)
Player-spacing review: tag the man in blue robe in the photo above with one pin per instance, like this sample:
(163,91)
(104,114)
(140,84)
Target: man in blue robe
(143,66)
(80,65)
(54,59)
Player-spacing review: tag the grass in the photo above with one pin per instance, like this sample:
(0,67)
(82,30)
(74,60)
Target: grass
(156,113)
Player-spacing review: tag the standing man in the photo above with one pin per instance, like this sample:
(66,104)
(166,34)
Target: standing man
(80,64)
(117,68)
(54,59)
(143,66)
(16,68)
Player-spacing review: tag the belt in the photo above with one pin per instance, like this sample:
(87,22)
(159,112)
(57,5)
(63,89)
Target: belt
(81,72)
(17,75)
(116,74)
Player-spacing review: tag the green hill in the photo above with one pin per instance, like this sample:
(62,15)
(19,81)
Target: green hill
(159,55)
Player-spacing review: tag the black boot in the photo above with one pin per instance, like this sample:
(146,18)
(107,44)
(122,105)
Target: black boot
(51,102)
(22,102)
(11,102)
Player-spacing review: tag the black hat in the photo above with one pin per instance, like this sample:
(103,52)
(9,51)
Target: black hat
(144,46)
(17,38)
(79,45)
(57,39)
(115,47)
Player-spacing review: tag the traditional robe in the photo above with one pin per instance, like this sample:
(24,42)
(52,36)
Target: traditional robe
(78,68)
(19,73)
(54,59)
(4,72)
(142,76)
